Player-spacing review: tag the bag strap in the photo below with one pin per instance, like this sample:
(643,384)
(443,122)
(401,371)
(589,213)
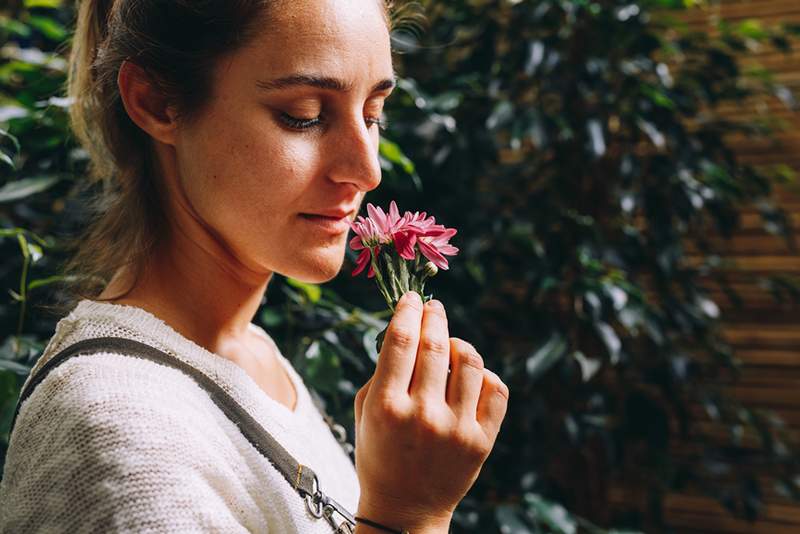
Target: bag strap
(301,477)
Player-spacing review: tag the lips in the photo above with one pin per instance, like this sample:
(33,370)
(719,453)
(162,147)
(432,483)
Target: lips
(331,217)
(333,224)
(337,213)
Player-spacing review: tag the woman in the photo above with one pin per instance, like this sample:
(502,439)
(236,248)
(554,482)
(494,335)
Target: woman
(241,136)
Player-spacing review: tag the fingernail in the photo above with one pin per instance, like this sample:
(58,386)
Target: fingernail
(411,296)
(436,304)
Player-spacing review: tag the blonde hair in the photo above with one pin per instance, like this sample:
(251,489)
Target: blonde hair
(126,216)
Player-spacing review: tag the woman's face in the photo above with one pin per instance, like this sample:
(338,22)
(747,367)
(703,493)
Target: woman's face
(291,131)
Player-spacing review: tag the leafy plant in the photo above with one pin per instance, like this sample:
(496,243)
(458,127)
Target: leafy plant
(578,147)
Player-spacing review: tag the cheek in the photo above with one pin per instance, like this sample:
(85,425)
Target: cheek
(255,167)
(248,179)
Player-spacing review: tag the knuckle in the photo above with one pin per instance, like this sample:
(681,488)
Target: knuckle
(466,442)
(435,345)
(391,410)
(428,427)
(499,386)
(502,390)
(401,336)
(413,303)
(360,394)
(469,356)
(430,422)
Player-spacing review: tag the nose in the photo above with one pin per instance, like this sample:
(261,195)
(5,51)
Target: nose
(355,155)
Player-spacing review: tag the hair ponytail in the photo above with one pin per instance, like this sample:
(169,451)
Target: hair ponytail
(90,32)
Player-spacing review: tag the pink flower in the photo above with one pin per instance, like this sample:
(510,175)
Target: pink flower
(431,238)
(406,232)
(434,244)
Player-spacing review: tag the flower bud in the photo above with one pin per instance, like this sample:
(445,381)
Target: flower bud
(429,269)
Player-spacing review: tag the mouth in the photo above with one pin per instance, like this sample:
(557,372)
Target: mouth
(335,224)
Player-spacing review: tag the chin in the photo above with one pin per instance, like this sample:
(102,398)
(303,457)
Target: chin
(316,270)
(314,277)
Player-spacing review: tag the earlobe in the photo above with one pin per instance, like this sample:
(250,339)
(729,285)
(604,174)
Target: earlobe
(144,103)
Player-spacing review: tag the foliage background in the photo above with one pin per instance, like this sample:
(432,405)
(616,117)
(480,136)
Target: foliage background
(576,145)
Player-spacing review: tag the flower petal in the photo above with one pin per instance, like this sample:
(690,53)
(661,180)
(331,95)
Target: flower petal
(404,243)
(432,254)
(361,262)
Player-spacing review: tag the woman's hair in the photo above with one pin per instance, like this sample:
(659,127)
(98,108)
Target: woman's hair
(176,43)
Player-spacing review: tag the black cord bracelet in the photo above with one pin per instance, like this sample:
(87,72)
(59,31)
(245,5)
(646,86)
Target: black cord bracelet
(379,526)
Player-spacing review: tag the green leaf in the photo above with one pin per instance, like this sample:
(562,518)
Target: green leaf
(551,514)
(35,251)
(589,366)
(509,521)
(546,356)
(752,29)
(6,134)
(392,152)
(658,97)
(8,365)
(33,284)
(610,340)
(5,158)
(323,367)
(312,291)
(368,342)
(26,187)
(270,317)
(49,27)
(12,112)
(14,27)
(43,3)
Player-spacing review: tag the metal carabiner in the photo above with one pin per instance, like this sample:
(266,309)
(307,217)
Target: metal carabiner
(320,505)
(314,500)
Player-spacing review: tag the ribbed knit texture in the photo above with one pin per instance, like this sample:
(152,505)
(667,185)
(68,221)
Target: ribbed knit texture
(112,443)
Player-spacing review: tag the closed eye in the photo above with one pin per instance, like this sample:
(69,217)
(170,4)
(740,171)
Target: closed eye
(307,124)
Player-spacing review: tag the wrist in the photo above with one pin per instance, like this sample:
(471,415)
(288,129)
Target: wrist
(399,517)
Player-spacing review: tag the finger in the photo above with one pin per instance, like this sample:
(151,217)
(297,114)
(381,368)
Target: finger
(433,357)
(396,361)
(359,401)
(466,379)
(492,404)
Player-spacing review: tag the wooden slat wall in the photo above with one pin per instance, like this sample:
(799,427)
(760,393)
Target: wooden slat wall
(764,333)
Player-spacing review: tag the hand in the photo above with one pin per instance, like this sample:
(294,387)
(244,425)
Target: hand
(421,435)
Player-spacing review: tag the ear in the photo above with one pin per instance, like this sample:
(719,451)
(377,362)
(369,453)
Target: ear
(145,105)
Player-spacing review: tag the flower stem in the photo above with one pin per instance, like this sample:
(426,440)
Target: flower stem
(381,283)
(404,277)
(395,286)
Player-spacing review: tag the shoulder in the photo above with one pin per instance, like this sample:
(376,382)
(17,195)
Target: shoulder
(119,440)
(114,392)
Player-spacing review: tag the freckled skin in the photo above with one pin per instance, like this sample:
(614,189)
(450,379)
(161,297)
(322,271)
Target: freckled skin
(238,178)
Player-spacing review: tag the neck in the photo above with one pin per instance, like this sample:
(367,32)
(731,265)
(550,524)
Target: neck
(196,287)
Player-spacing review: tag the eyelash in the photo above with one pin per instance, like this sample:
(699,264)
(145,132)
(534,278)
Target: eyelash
(306,124)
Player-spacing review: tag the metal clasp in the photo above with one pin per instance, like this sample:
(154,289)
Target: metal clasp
(313,500)
(320,505)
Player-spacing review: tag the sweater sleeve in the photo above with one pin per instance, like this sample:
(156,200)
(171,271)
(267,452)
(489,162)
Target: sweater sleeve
(118,444)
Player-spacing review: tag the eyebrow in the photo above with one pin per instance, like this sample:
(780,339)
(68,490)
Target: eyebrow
(322,82)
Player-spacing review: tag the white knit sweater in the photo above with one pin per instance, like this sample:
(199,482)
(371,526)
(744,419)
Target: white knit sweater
(113,443)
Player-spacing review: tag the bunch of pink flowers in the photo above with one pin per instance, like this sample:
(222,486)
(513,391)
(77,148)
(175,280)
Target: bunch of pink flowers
(393,247)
